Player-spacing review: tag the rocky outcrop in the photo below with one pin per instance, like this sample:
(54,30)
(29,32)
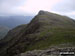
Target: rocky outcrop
(50,52)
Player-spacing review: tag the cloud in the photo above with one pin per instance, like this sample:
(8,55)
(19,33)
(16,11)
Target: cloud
(30,7)
(12,2)
(71,14)
(33,6)
(64,6)
(6,6)
(25,6)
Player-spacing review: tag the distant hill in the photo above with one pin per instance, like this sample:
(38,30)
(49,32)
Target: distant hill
(13,21)
(46,29)
(3,31)
(9,22)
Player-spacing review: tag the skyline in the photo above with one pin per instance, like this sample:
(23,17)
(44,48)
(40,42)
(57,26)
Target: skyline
(32,7)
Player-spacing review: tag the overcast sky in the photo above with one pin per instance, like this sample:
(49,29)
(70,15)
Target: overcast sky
(32,7)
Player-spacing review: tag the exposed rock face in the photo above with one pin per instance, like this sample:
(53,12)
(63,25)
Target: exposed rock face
(41,12)
(45,29)
(50,52)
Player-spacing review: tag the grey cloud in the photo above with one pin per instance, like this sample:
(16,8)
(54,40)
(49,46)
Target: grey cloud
(12,2)
(7,5)
(65,6)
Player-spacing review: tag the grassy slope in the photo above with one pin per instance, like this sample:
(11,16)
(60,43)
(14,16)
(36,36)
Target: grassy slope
(54,37)
(53,31)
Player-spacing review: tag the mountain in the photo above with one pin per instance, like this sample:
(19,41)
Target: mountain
(46,29)
(13,21)
(3,31)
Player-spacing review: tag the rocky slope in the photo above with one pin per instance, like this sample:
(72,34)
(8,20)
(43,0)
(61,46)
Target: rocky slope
(46,29)
(52,51)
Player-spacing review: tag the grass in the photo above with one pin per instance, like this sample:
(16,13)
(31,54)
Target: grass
(54,36)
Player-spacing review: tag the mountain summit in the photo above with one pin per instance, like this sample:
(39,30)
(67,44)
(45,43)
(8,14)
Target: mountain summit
(42,12)
(46,29)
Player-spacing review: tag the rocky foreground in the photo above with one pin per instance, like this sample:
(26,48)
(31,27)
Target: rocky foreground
(50,52)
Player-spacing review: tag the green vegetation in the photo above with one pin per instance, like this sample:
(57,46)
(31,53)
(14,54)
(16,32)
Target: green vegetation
(54,37)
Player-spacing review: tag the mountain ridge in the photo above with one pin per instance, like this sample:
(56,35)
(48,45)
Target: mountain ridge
(45,29)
